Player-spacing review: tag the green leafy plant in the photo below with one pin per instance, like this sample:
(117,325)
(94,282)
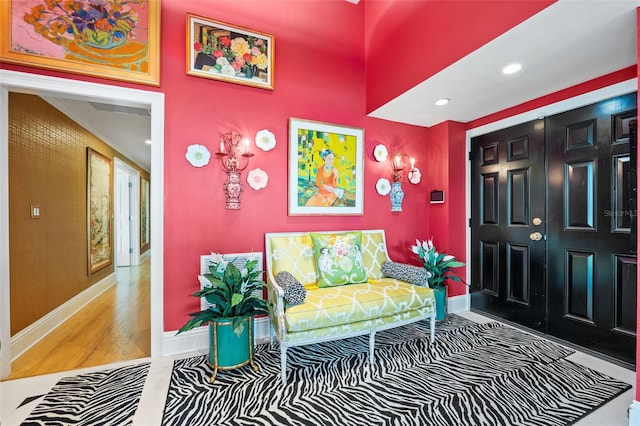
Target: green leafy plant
(230,293)
(438,265)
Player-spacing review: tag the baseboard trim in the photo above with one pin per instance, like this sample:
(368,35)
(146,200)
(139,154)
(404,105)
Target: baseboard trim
(145,255)
(634,413)
(460,303)
(35,332)
(196,341)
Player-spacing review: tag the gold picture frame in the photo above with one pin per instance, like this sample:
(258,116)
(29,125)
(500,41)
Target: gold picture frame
(226,52)
(99,206)
(145,221)
(123,45)
(326,169)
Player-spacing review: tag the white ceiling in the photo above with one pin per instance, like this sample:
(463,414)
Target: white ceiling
(124,127)
(570,42)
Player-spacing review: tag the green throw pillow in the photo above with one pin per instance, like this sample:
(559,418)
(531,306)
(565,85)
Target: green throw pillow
(338,258)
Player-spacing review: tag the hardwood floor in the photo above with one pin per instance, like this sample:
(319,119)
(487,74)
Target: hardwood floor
(113,327)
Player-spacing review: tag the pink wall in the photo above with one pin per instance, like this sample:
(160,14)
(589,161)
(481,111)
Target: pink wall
(417,39)
(319,75)
(446,160)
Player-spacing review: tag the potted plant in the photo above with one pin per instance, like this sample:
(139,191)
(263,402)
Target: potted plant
(229,292)
(438,265)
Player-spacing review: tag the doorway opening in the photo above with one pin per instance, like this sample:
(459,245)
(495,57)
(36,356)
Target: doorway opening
(45,86)
(551,225)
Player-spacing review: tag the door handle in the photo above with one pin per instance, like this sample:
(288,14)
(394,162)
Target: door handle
(535,236)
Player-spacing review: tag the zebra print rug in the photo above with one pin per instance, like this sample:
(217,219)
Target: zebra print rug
(474,374)
(107,397)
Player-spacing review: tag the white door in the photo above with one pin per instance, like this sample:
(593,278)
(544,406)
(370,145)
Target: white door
(127,214)
(124,248)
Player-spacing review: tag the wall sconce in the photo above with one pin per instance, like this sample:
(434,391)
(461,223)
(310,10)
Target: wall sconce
(398,165)
(397,195)
(234,162)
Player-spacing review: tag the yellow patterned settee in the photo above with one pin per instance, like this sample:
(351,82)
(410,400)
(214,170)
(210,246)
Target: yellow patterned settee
(332,313)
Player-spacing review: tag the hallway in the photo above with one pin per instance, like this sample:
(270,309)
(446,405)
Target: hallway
(113,327)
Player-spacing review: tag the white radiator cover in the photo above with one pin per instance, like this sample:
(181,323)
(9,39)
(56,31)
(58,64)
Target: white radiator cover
(238,259)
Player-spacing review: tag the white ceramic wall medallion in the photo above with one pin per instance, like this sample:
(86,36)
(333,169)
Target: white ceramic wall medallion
(383,186)
(257,179)
(265,140)
(198,155)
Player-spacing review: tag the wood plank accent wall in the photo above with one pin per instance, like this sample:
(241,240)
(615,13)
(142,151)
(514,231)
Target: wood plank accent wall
(47,168)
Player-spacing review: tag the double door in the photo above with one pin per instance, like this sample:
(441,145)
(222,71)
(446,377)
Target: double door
(553,225)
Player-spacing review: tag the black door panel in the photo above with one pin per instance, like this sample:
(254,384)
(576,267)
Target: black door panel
(592,278)
(508,278)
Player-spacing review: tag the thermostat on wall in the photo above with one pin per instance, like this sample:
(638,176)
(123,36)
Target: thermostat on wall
(437,196)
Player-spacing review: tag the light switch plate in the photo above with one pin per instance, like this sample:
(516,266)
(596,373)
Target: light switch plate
(35,212)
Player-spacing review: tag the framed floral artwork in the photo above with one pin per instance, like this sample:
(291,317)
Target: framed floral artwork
(115,39)
(99,206)
(229,53)
(326,169)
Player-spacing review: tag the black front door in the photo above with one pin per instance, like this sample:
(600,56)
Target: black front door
(592,265)
(555,251)
(508,224)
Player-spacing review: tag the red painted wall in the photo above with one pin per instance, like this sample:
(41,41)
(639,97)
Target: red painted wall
(319,75)
(417,39)
(446,171)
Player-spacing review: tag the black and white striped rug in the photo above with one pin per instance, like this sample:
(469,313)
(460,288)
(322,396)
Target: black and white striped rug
(472,375)
(107,397)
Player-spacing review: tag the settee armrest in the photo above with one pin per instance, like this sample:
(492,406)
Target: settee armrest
(275,295)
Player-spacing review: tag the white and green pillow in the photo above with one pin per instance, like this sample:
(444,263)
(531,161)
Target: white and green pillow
(338,258)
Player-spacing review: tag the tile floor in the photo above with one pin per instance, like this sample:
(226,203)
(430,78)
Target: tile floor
(14,392)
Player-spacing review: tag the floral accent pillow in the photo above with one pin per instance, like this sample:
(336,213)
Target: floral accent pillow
(338,258)
(401,271)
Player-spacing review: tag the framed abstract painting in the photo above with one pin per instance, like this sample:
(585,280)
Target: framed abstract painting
(326,169)
(114,39)
(229,53)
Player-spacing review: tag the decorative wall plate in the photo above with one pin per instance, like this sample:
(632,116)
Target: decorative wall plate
(257,179)
(198,155)
(415,176)
(380,153)
(383,186)
(265,140)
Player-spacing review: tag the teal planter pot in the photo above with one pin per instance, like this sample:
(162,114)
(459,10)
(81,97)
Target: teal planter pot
(441,302)
(227,350)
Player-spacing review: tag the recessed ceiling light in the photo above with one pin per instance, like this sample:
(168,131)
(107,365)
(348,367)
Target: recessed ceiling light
(442,101)
(148,141)
(511,68)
